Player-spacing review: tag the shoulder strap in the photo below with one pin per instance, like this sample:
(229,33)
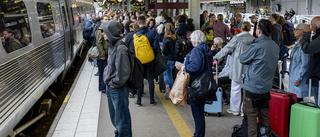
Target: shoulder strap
(206,61)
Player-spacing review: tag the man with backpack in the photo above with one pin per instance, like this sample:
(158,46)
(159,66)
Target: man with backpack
(145,47)
(103,46)
(116,75)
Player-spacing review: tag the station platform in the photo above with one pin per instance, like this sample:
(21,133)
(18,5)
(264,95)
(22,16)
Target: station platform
(84,113)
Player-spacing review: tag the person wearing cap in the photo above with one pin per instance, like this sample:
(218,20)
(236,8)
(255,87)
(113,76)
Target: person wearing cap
(254,20)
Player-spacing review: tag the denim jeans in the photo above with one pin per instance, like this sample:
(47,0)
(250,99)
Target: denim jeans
(315,90)
(168,77)
(118,103)
(199,119)
(101,65)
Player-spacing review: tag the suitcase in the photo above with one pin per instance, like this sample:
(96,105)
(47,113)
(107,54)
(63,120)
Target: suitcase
(279,109)
(215,106)
(305,118)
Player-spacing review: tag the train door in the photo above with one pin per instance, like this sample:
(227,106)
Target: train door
(67,33)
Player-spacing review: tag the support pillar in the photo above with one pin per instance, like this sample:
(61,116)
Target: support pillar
(194,12)
(123,5)
(128,5)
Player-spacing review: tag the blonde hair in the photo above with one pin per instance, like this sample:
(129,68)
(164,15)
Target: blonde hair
(169,28)
(134,27)
(302,26)
(246,26)
(26,39)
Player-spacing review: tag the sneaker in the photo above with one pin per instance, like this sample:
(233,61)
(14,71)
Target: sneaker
(232,112)
(131,95)
(138,104)
(97,74)
(242,114)
(152,103)
(166,95)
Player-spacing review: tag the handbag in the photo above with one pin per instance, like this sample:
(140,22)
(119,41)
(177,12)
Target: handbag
(178,93)
(160,65)
(202,87)
(93,52)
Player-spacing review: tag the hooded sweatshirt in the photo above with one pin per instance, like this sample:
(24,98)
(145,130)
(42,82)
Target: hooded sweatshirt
(118,69)
(238,44)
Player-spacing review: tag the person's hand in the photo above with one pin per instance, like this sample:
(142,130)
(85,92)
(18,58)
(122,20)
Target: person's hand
(103,58)
(296,83)
(179,67)
(215,77)
(307,28)
(110,85)
(213,58)
(92,24)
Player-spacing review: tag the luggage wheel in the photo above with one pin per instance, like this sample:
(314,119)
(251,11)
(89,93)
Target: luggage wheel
(219,114)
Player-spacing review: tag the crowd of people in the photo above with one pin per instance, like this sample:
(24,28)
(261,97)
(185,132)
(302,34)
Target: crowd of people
(249,62)
(11,39)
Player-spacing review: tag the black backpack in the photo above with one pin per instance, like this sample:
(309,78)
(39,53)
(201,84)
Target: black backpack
(289,38)
(180,49)
(136,76)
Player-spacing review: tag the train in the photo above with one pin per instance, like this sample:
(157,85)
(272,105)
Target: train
(51,32)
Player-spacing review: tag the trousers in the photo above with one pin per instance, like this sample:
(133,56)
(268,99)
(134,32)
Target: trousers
(235,96)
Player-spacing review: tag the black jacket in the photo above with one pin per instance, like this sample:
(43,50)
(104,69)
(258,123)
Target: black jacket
(312,48)
(276,34)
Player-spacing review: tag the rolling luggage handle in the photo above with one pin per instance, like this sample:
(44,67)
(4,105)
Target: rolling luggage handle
(310,85)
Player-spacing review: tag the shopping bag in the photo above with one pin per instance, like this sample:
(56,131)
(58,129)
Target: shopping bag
(178,93)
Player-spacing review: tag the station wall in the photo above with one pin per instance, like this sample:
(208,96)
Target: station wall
(299,6)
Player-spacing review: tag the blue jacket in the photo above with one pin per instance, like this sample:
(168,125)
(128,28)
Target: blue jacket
(89,24)
(182,30)
(262,60)
(152,37)
(195,61)
(299,64)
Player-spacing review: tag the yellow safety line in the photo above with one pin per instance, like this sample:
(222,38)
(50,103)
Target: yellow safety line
(176,118)
(66,99)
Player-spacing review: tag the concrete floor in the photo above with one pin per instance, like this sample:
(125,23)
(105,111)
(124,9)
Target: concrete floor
(154,121)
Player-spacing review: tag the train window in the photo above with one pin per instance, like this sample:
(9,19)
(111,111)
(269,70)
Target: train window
(14,25)
(159,1)
(45,19)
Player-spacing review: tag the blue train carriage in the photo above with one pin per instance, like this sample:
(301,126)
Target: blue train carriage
(50,33)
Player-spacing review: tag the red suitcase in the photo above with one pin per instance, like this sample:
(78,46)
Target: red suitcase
(279,112)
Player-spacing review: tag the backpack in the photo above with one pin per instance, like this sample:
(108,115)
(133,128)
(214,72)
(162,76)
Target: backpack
(143,48)
(86,33)
(180,49)
(135,81)
(289,38)
(93,52)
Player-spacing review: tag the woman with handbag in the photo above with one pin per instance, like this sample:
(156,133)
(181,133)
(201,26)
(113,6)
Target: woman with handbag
(196,64)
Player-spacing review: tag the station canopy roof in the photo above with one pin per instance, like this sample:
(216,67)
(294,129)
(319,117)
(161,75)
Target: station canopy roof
(221,0)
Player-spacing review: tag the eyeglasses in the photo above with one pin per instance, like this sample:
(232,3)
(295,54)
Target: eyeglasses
(298,29)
